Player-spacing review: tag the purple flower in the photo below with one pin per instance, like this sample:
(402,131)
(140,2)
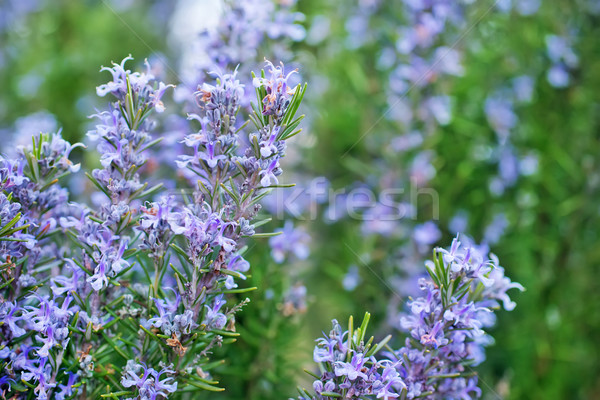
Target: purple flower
(267,147)
(118,85)
(564,59)
(558,76)
(41,374)
(99,279)
(523,87)
(237,263)
(6,380)
(500,286)
(66,391)
(391,381)
(269,174)
(459,223)
(528,7)
(351,279)
(139,83)
(147,380)
(426,234)
(214,319)
(209,155)
(362,376)
(437,107)
(8,317)
(124,128)
(500,115)
(278,91)
(352,369)
(435,337)
(291,241)
(560,49)
(165,310)
(495,230)
(332,347)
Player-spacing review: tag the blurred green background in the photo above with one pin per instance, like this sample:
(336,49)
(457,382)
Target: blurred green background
(549,346)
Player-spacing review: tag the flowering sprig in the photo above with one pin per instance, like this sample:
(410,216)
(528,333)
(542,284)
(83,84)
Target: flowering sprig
(446,323)
(123,134)
(31,203)
(231,179)
(446,336)
(349,369)
(196,245)
(33,321)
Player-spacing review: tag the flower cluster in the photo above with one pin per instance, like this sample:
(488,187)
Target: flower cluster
(349,368)
(446,323)
(499,109)
(421,59)
(278,95)
(564,60)
(143,290)
(31,201)
(446,336)
(231,178)
(123,135)
(34,323)
(123,132)
(239,36)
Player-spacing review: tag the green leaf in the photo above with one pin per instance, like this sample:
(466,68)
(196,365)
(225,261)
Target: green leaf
(243,290)
(151,191)
(379,346)
(204,386)
(97,184)
(10,224)
(265,235)
(363,327)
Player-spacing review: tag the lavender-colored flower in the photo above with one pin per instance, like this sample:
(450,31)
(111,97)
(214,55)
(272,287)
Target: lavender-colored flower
(558,76)
(39,374)
(125,83)
(278,90)
(523,87)
(291,241)
(147,381)
(352,369)
(8,318)
(237,37)
(495,230)
(25,127)
(192,248)
(564,59)
(124,128)
(500,115)
(294,300)
(426,234)
(214,319)
(66,391)
(351,279)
